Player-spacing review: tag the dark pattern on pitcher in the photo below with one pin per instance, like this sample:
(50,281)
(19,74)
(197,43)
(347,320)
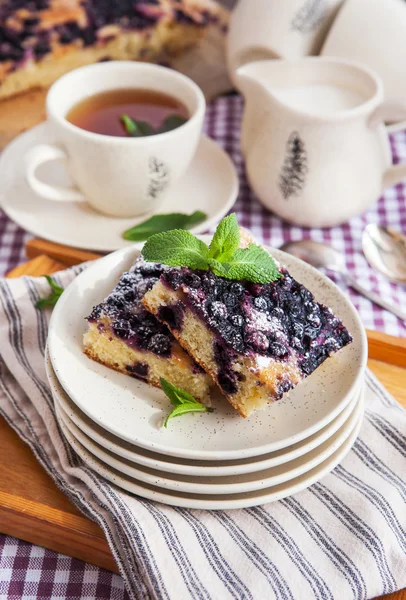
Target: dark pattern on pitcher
(293,175)
(159,178)
(309,16)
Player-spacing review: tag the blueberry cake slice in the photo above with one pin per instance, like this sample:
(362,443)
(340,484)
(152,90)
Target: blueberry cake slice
(40,40)
(123,335)
(256,341)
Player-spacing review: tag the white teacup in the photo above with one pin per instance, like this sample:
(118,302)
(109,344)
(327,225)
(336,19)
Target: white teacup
(261,29)
(316,150)
(372,32)
(118,176)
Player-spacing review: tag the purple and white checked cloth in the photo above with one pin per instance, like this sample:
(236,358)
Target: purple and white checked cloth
(223,124)
(344,538)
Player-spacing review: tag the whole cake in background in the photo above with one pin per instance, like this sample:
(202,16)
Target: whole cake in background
(40,40)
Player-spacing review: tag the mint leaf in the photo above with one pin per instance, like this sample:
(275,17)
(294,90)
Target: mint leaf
(218,268)
(183,401)
(53,298)
(226,239)
(252,264)
(171,122)
(183,409)
(54,286)
(176,248)
(161,223)
(136,128)
(179,248)
(177,396)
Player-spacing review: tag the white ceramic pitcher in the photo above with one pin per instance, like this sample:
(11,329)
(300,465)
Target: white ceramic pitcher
(316,150)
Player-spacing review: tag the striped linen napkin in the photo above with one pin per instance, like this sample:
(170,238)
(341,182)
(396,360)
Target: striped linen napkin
(342,538)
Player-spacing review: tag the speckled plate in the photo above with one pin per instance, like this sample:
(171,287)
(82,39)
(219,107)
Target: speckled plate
(176,465)
(232,484)
(213,501)
(132,410)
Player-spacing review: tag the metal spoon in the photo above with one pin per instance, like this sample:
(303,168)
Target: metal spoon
(385,250)
(325,257)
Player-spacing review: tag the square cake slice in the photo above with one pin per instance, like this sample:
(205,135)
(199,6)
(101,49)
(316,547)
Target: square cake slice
(256,341)
(124,336)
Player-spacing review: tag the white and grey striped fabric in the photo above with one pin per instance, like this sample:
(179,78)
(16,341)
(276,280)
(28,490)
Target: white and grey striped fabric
(343,538)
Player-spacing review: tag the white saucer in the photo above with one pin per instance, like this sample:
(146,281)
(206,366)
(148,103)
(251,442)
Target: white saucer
(170,464)
(213,502)
(210,185)
(131,409)
(220,485)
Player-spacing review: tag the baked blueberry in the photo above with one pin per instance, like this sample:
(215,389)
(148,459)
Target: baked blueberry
(257,341)
(123,335)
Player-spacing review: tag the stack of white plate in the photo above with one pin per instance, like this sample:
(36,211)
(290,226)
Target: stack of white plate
(214,460)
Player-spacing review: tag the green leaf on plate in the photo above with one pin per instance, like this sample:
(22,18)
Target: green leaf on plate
(182,401)
(161,223)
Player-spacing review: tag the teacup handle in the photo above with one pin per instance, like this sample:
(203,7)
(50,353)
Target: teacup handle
(37,156)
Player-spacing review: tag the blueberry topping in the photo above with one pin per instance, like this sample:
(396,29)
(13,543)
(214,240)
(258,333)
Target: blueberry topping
(237,320)
(260,303)
(298,330)
(230,299)
(173,279)
(159,344)
(257,340)
(130,321)
(217,310)
(283,386)
(278,350)
(192,281)
(268,319)
(237,289)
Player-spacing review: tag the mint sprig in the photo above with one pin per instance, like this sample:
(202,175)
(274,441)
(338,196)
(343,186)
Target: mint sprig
(161,223)
(183,402)
(54,296)
(179,248)
(134,128)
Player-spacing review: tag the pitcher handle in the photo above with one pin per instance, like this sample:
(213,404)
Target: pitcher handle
(390,111)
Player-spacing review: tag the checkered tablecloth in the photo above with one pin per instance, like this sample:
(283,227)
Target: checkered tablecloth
(28,572)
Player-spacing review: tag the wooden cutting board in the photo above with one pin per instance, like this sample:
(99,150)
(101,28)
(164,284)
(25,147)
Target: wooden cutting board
(32,508)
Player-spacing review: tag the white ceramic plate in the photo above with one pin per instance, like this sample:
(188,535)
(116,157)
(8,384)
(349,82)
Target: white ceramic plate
(219,485)
(172,464)
(210,184)
(214,502)
(132,410)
